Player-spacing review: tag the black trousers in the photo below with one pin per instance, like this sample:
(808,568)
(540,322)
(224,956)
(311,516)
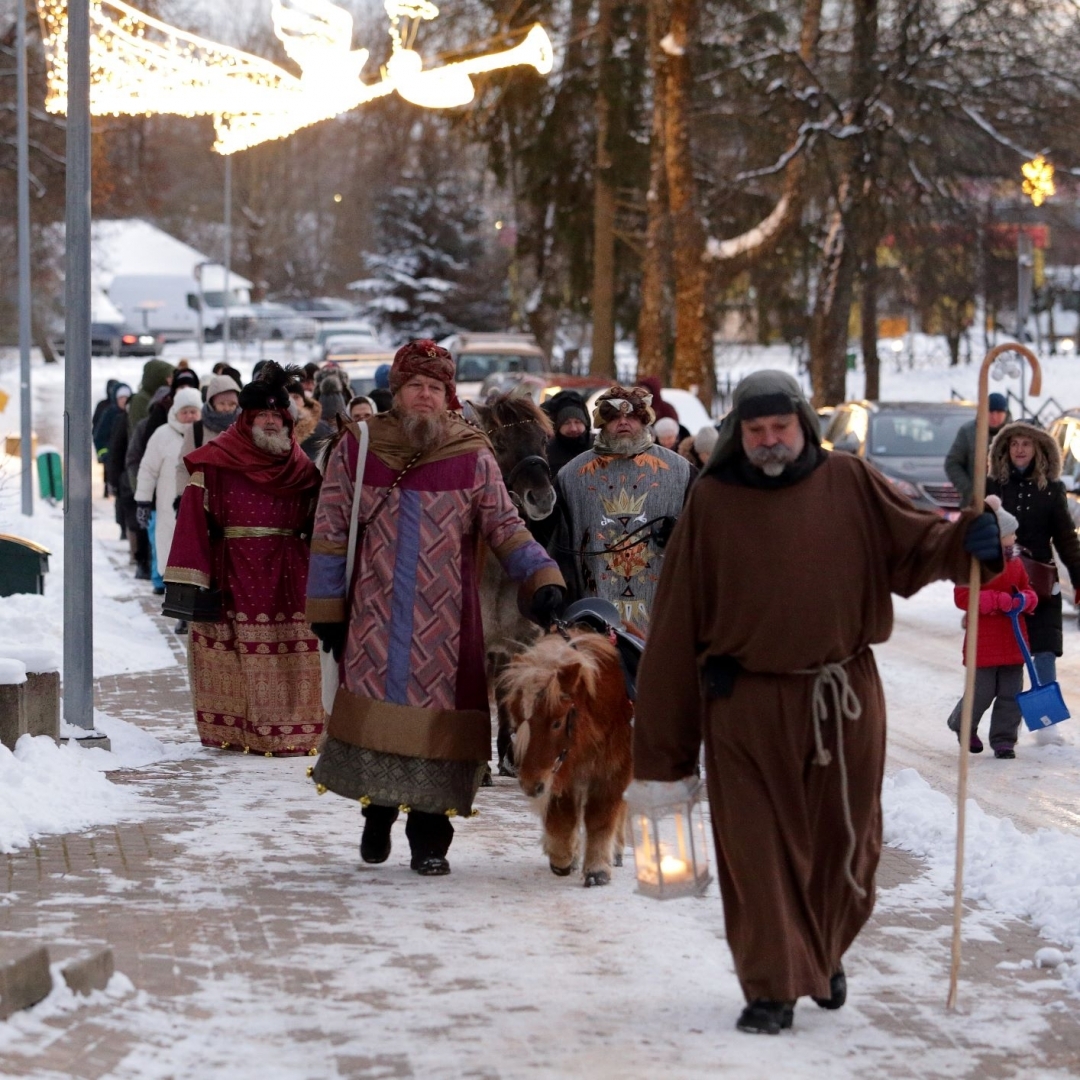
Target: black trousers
(997,685)
(428,834)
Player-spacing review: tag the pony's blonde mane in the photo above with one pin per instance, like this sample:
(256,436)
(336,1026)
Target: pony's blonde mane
(531,680)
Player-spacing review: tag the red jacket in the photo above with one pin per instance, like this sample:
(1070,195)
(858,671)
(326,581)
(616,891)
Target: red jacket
(997,643)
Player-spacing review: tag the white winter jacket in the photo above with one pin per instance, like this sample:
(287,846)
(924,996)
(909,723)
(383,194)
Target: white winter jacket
(157,481)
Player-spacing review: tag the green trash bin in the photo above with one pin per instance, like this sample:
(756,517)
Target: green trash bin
(50,474)
(23,566)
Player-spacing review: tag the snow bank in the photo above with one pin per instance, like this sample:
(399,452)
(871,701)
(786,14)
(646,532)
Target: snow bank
(125,638)
(48,789)
(1032,876)
(12,672)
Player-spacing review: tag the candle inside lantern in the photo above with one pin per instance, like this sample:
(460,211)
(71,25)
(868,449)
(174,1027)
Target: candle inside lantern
(674,869)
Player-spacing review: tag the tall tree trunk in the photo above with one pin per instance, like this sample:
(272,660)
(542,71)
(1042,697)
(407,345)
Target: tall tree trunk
(603,291)
(693,363)
(832,309)
(871,364)
(652,331)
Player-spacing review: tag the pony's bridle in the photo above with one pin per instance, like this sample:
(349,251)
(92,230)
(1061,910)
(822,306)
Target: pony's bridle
(531,462)
(571,716)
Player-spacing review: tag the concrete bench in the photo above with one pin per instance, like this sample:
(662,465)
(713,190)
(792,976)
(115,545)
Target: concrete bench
(29,695)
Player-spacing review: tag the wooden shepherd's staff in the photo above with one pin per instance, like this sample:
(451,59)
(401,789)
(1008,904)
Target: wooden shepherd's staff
(982,436)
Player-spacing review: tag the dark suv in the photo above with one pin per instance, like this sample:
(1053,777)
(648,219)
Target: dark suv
(907,442)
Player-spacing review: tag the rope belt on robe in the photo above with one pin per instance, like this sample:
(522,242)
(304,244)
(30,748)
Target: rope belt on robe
(241,532)
(834,678)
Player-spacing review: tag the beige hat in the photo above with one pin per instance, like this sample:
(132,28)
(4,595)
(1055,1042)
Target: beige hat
(220,384)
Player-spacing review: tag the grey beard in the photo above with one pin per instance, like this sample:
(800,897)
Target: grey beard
(625,445)
(424,431)
(278,443)
(772,460)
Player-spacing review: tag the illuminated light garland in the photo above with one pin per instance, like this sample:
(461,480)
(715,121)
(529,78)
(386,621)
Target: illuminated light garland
(141,66)
(1038,180)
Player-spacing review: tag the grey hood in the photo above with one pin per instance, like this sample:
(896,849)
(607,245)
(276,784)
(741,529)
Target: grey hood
(758,384)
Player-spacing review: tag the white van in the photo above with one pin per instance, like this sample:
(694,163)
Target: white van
(174,306)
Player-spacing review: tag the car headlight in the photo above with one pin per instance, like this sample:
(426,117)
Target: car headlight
(904,487)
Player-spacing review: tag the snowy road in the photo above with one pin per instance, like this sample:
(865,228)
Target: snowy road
(923,675)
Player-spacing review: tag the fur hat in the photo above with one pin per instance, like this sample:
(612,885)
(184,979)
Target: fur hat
(271,389)
(424,357)
(1007,524)
(619,401)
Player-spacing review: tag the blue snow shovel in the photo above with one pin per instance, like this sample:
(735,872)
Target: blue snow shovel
(1043,704)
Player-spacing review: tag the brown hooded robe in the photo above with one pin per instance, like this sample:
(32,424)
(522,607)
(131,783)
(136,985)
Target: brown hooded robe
(784,580)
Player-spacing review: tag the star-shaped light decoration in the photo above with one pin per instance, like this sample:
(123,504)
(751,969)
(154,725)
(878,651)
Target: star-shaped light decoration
(141,66)
(1038,179)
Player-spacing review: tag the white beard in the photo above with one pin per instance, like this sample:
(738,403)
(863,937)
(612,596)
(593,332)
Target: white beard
(623,445)
(278,443)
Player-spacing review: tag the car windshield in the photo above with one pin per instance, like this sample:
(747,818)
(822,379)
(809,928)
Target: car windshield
(911,434)
(475,367)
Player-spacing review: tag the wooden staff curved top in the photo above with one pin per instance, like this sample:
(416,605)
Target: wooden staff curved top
(982,439)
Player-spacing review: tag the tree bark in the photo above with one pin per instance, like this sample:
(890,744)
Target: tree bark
(693,362)
(652,331)
(832,309)
(871,364)
(603,291)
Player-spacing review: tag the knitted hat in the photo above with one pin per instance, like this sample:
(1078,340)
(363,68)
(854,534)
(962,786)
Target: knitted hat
(705,440)
(424,357)
(185,377)
(666,426)
(566,405)
(997,403)
(121,390)
(619,401)
(1007,524)
(221,384)
(184,397)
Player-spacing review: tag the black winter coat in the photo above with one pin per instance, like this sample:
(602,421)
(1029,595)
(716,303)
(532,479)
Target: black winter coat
(1044,518)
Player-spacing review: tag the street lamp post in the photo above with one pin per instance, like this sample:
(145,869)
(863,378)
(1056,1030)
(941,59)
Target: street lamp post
(228,259)
(22,138)
(78,687)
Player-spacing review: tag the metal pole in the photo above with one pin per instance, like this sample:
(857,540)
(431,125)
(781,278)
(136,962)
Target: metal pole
(22,139)
(78,572)
(228,257)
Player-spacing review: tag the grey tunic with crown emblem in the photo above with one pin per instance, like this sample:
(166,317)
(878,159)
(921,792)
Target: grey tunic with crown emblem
(601,545)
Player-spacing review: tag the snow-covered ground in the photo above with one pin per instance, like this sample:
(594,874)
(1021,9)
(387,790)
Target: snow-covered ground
(1023,860)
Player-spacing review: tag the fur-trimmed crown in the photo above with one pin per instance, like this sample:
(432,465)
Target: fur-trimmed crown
(271,389)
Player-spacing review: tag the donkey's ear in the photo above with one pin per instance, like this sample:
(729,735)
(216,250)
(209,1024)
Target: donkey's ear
(475,414)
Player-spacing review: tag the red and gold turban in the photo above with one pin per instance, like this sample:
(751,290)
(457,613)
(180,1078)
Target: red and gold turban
(619,401)
(424,357)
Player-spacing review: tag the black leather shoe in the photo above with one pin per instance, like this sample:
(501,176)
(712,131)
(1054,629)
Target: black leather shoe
(374,844)
(430,865)
(763,1017)
(837,992)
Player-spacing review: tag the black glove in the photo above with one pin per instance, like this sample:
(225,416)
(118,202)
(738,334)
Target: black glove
(143,511)
(332,635)
(661,531)
(176,504)
(547,604)
(982,539)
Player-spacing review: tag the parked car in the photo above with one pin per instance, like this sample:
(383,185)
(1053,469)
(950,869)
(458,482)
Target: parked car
(907,442)
(323,308)
(106,339)
(478,356)
(360,368)
(278,321)
(141,342)
(354,330)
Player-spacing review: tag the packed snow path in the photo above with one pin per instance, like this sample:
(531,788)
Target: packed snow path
(923,674)
(260,948)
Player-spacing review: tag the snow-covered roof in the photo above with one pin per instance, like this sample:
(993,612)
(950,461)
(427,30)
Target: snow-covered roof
(133,246)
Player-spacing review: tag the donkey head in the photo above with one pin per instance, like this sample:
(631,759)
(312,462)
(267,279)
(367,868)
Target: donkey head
(519,431)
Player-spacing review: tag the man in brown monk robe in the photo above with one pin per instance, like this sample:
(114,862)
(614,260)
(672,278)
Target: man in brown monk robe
(776,583)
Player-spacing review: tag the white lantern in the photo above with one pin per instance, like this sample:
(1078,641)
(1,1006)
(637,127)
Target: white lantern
(670,848)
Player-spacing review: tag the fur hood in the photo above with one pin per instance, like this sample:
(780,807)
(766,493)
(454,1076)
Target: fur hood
(1047,454)
(310,415)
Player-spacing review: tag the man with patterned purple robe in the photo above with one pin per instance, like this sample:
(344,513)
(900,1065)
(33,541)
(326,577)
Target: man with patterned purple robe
(410,729)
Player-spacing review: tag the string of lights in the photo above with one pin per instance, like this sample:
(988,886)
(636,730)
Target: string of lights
(141,66)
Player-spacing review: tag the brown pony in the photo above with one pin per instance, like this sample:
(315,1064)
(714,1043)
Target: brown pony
(572,720)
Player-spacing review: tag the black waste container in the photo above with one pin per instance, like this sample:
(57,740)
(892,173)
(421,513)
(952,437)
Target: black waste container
(23,566)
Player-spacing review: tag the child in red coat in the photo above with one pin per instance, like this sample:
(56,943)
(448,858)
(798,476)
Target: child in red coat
(1000,664)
